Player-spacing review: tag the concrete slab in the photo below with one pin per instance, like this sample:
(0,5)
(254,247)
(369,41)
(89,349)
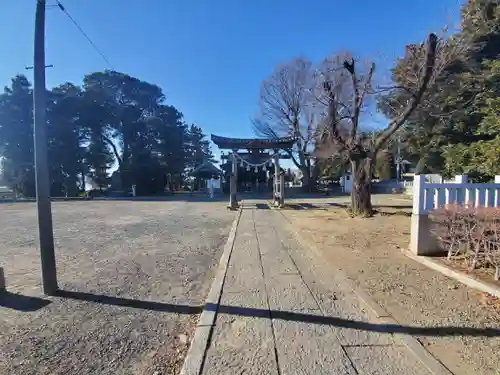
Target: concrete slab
(241,345)
(385,360)
(305,348)
(289,293)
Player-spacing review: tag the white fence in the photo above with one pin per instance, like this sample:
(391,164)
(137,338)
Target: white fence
(429,178)
(428,196)
(390,186)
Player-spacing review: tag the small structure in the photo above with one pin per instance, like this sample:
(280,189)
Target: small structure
(7,193)
(256,158)
(206,171)
(346,183)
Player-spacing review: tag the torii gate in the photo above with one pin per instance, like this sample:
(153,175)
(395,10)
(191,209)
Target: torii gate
(255,146)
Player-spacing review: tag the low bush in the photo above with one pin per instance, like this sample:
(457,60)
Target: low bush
(469,233)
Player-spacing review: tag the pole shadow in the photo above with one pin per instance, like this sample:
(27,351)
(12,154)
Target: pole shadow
(284,315)
(21,302)
(354,324)
(127,302)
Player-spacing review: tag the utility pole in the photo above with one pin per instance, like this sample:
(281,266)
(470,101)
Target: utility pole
(47,254)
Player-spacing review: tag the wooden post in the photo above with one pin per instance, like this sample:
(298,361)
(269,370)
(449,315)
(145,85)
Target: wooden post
(42,180)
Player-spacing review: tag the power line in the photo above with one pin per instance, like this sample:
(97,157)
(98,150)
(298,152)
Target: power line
(85,35)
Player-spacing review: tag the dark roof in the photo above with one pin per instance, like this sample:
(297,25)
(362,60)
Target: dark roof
(252,143)
(207,168)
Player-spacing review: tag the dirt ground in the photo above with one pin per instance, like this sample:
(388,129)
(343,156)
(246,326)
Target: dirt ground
(134,276)
(369,252)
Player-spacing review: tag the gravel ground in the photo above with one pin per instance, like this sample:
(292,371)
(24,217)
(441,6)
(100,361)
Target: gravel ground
(368,251)
(125,268)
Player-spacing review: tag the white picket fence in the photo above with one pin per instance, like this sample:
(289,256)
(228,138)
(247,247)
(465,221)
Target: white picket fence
(429,178)
(428,196)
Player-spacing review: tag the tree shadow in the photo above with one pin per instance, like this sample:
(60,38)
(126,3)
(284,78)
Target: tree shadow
(262,206)
(406,207)
(283,315)
(169,198)
(339,205)
(305,206)
(21,302)
(396,213)
(293,206)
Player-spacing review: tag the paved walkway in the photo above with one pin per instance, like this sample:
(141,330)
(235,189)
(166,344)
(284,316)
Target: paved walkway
(283,312)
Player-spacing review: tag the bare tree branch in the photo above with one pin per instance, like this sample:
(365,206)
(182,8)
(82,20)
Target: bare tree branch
(286,108)
(428,68)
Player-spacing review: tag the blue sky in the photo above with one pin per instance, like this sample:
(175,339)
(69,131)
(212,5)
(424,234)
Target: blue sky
(210,56)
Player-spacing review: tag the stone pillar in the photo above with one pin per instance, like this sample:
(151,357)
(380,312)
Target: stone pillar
(276,193)
(461,196)
(422,242)
(282,191)
(233,203)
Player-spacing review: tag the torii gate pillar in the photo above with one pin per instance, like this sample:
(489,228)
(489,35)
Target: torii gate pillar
(233,186)
(278,184)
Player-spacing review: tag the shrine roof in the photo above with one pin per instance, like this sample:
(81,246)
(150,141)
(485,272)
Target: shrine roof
(207,168)
(253,143)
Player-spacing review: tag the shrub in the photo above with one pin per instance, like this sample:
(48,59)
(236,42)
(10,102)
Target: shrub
(468,232)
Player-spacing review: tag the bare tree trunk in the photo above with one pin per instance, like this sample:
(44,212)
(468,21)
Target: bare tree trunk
(361,203)
(306,179)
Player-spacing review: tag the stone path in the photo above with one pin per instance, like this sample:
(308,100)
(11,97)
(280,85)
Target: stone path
(283,312)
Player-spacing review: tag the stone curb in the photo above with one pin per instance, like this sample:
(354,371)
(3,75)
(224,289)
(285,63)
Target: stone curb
(382,315)
(193,363)
(468,280)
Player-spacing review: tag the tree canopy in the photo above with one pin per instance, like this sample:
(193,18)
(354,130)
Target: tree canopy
(456,129)
(112,121)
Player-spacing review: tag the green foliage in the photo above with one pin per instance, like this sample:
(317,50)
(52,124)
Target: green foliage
(197,147)
(16,136)
(330,169)
(113,120)
(385,167)
(456,129)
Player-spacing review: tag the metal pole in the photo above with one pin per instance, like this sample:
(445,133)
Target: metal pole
(47,254)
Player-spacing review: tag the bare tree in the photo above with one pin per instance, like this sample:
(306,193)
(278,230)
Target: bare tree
(286,109)
(347,90)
